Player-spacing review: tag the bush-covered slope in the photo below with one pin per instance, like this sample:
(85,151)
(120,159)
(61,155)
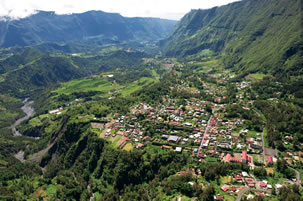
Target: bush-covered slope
(25,73)
(49,27)
(254,35)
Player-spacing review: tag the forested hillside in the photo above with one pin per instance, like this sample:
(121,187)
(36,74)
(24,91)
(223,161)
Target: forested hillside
(253,35)
(24,73)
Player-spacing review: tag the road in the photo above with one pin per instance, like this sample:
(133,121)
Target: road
(206,129)
(241,193)
(298,177)
(263,147)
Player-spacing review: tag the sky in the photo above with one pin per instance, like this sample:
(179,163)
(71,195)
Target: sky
(168,9)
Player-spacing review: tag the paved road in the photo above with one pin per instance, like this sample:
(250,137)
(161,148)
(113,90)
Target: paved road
(206,129)
(298,177)
(241,193)
(263,147)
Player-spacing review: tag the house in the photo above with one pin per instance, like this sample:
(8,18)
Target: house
(228,158)
(165,137)
(183,173)
(178,149)
(278,186)
(269,159)
(166,147)
(56,111)
(251,185)
(238,177)
(224,188)
(188,124)
(244,174)
(173,138)
(171,109)
(262,184)
(254,146)
(146,138)
(139,145)
(244,157)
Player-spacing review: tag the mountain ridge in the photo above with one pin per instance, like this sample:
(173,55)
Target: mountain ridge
(46,26)
(252,35)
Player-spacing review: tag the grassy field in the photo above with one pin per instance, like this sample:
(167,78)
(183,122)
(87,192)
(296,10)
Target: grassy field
(136,85)
(103,85)
(128,147)
(226,179)
(87,84)
(252,134)
(256,76)
(37,120)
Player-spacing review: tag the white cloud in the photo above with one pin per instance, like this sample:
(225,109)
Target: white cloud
(171,9)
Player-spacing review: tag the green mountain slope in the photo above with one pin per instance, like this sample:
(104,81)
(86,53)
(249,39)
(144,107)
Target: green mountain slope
(253,35)
(25,73)
(92,25)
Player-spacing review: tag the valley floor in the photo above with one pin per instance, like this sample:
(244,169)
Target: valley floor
(198,111)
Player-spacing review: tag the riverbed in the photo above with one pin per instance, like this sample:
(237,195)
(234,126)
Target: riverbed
(28,110)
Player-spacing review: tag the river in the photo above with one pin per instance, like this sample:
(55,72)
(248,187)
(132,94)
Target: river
(28,110)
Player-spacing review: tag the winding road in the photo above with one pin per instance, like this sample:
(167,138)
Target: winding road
(241,193)
(28,110)
(298,177)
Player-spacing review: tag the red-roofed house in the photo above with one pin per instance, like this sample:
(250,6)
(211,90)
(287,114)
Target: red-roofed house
(269,159)
(262,184)
(170,108)
(222,155)
(244,157)
(249,141)
(260,194)
(235,160)
(249,159)
(249,180)
(238,177)
(224,188)
(251,185)
(184,173)
(227,158)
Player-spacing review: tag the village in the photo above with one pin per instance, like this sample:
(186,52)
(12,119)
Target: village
(197,127)
(202,129)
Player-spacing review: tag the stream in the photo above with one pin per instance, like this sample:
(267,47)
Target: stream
(28,110)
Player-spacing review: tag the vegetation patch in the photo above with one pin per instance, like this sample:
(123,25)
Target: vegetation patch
(128,147)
